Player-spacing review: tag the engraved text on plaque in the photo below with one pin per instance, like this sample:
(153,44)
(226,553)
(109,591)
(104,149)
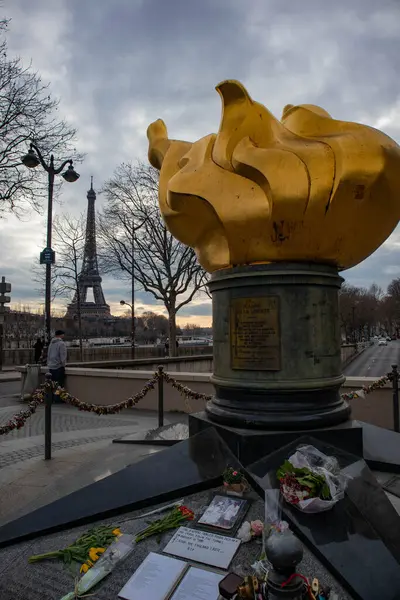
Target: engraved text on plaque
(255,335)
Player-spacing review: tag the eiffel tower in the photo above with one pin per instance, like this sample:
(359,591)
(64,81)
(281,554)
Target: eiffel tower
(89,276)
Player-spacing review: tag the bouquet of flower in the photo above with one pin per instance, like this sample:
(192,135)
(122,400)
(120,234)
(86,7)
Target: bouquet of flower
(173,519)
(115,553)
(311,481)
(86,550)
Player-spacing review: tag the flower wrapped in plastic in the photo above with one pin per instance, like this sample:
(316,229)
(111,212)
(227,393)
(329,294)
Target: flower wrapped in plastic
(311,481)
(117,551)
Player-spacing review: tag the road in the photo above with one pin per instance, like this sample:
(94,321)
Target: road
(375,361)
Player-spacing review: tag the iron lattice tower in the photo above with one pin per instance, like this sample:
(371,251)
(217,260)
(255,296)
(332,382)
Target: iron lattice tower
(90,276)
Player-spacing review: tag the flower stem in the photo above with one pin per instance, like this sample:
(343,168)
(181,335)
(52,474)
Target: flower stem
(54,554)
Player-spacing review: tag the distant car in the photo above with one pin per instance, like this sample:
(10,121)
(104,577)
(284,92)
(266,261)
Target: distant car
(388,339)
(382,342)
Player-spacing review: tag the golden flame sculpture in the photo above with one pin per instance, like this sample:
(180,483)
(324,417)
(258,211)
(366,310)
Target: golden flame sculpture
(307,188)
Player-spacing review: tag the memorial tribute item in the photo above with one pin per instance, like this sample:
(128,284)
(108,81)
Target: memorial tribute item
(161,577)
(117,552)
(86,550)
(203,547)
(249,530)
(234,481)
(175,518)
(224,512)
(311,481)
(270,207)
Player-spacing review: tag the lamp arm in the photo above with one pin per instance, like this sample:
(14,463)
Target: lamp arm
(57,171)
(40,157)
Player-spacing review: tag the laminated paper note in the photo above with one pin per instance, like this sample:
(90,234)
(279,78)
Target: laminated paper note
(203,547)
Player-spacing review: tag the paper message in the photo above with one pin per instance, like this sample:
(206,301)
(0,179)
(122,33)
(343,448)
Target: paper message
(203,547)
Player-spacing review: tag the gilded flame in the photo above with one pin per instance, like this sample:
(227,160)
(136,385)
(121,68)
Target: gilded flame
(307,188)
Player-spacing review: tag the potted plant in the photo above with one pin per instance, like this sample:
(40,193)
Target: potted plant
(234,481)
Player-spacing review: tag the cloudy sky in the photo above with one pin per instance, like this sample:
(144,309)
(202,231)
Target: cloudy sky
(117,65)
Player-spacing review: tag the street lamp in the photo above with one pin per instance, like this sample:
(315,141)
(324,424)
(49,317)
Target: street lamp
(132,307)
(33,159)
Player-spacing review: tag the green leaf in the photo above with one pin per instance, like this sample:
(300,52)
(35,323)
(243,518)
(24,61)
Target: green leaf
(287,467)
(325,492)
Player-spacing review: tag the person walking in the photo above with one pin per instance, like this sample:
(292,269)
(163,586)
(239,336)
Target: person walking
(57,358)
(38,347)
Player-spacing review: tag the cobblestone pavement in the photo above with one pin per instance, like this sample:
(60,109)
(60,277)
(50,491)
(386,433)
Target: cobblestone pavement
(64,418)
(70,428)
(17,455)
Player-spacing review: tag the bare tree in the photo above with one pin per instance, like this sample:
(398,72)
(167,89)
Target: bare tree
(137,245)
(69,244)
(27,113)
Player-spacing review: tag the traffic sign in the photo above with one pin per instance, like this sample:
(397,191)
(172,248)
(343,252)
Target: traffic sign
(47,257)
(5,287)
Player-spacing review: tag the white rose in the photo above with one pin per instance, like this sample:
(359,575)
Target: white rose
(244,533)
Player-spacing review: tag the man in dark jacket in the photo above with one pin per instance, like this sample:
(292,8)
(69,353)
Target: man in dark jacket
(38,347)
(57,357)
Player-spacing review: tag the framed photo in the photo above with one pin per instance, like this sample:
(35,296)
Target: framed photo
(224,513)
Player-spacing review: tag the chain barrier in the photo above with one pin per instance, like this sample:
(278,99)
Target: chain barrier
(184,390)
(110,409)
(38,398)
(367,389)
(19,419)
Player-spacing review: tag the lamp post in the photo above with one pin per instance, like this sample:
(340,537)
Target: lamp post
(32,160)
(132,307)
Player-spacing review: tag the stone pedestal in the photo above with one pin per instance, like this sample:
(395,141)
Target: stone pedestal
(249,445)
(277,361)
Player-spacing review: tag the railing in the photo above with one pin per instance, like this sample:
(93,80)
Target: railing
(46,392)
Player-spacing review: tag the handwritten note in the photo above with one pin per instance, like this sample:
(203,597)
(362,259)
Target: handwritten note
(203,547)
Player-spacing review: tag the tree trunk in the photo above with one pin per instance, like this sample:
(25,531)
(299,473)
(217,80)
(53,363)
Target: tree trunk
(78,306)
(172,332)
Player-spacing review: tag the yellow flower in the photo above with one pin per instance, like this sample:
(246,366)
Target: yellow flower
(117,532)
(94,553)
(84,568)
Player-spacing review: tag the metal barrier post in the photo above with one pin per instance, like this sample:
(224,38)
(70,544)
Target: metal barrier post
(47,419)
(395,384)
(160,396)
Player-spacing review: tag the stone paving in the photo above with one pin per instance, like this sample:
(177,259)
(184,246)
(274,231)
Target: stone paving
(82,450)
(64,418)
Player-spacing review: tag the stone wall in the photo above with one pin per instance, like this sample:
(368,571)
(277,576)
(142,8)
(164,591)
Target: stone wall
(24,356)
(113,357)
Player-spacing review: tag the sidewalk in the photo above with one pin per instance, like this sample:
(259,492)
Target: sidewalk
(9,374)
(82,452)
(35,482)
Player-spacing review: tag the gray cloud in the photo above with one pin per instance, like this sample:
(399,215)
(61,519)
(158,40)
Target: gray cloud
(119,65)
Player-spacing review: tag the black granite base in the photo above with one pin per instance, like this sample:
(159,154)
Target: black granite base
(381,448)
(250,444)
(358,539)
(191,466)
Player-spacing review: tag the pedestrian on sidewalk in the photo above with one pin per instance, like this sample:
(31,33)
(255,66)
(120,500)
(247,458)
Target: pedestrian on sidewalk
(57,357)
(38,347)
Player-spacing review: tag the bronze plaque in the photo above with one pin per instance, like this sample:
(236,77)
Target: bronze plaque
(255,335)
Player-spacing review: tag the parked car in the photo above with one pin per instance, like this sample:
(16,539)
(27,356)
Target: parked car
(382,342)
(388,339)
